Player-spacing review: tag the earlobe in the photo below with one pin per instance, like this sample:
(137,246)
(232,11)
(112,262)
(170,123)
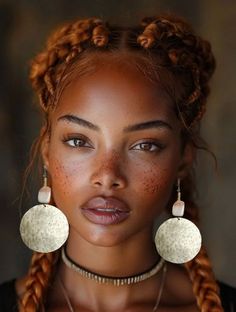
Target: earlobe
(188,157)
(45,151)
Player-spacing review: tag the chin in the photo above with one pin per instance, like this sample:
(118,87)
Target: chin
(102,238)
(97,235)
(83,233)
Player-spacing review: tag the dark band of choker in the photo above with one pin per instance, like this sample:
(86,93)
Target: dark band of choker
(116,281)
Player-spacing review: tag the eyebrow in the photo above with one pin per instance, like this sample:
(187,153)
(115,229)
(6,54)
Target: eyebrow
(136,127)
(79,121)
(148,125)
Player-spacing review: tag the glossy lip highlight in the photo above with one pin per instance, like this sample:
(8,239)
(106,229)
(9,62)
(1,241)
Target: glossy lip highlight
(105,210)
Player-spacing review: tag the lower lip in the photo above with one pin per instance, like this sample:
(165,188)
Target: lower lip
(105,217)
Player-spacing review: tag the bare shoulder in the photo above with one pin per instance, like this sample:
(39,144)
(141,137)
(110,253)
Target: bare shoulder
(178,286)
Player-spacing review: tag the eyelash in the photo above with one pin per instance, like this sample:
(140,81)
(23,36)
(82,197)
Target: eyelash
(157,145)
(73,139)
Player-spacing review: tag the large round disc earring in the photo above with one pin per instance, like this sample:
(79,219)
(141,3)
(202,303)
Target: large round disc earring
(178,240)
(44,228)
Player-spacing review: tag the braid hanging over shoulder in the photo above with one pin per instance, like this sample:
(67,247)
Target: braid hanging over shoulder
(38,281)
(199,269)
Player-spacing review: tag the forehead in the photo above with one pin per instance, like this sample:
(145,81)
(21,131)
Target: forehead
(115,87)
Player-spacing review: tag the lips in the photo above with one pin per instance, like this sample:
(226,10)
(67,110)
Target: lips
(105,210)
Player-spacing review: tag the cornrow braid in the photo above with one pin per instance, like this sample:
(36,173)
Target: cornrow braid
(62,47)
(184,50)
(37,281)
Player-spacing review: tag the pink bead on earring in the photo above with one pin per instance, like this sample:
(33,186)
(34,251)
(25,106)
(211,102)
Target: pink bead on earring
(178,240)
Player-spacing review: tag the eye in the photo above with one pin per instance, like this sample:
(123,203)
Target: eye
(148,146)
(76,142)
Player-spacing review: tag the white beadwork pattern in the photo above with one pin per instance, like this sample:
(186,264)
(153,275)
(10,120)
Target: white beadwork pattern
(44,228)
(178,240)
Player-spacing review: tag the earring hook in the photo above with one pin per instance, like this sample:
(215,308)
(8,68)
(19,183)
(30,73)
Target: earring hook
(45,176)
(178,189)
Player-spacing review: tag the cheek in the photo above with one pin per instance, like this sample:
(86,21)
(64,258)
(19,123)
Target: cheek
(154,181)
(60,178)
(63,177)
(155,184)
(160,175)
(155,189)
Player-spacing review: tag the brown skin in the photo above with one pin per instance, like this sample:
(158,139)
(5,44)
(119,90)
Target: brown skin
(139,167)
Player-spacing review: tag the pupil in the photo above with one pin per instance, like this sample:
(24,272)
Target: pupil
(146,146)
(78,142)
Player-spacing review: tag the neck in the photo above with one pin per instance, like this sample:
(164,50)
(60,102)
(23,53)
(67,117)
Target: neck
(127,258)
(124,259)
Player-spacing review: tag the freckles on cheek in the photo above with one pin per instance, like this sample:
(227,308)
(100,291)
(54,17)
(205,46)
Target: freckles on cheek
(153,181)
(62,176)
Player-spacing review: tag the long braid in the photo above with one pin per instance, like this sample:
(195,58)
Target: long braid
(37,281)
(199,269)
(183,54)
(200,272)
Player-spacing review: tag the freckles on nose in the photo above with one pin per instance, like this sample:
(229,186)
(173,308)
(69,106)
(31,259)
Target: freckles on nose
(108,171)
(109,163)
(105,168)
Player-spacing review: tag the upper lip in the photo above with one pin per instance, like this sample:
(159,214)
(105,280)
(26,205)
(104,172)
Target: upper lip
(111,203)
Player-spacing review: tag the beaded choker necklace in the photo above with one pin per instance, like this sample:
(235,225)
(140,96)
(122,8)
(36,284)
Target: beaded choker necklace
(116,281)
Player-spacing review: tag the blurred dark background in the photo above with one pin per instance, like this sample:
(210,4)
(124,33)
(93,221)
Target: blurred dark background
(24,26)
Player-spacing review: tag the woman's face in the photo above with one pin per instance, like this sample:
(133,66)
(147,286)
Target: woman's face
(114,154)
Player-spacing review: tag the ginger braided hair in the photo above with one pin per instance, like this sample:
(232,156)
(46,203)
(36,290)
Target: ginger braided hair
(38,281)
(185,51)
(64,45)
(161,45)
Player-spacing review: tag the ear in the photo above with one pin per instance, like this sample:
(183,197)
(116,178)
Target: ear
(45,150)
(188,157)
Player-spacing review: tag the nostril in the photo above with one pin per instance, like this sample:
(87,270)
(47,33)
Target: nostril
(108,177)
(108,181)
(97,183)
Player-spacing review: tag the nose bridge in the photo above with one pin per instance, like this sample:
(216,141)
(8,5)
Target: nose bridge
(108,170)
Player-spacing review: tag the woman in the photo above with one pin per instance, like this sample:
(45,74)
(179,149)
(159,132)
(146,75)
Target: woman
(122,109)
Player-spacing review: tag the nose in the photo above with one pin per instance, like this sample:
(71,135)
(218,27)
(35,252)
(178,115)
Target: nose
(108,173)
